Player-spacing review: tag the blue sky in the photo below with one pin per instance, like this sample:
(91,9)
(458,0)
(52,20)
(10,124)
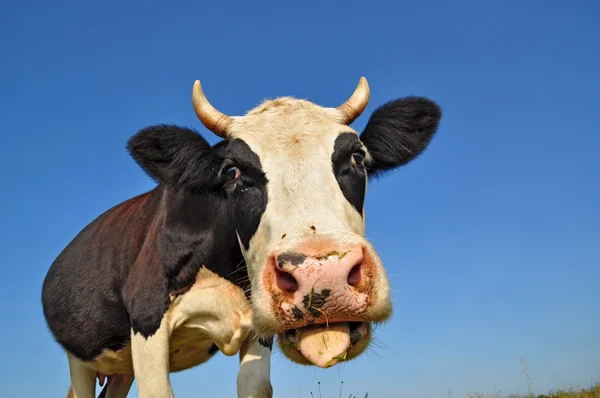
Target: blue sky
(491,238)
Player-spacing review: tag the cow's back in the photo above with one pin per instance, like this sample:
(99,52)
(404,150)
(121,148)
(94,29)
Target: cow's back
(82,295)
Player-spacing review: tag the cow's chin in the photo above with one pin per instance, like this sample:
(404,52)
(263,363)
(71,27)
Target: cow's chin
(325,345)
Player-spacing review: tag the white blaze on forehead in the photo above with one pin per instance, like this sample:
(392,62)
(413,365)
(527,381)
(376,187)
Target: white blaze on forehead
(294,140)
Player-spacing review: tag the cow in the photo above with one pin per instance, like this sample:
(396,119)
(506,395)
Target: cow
(261,235)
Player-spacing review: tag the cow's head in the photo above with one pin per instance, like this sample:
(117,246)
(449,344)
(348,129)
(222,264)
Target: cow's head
(295,176)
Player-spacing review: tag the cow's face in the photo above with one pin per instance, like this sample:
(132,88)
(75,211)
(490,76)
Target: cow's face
(295,176)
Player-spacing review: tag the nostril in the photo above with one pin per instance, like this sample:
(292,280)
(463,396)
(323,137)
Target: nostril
(354,275)
(285,281)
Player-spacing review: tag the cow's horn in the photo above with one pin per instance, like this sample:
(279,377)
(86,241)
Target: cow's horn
(356,104)
(210,117)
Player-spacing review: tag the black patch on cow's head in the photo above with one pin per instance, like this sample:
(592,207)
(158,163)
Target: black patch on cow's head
(292,258)
(351,176)
(399,131)
(176,157)
(182,160)
(248,192)
(220,148)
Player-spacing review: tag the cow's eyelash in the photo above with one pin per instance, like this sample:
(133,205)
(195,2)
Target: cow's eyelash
(245,167)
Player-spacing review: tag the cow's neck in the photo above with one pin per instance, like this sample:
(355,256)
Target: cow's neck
(199,231)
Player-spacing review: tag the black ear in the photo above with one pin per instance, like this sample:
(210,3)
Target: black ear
(399,131)
(175,156)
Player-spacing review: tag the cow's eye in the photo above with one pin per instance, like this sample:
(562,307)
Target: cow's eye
(358,157)
(231,173)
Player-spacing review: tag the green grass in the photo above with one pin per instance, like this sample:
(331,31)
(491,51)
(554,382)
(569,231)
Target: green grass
(591,392)
(574,392)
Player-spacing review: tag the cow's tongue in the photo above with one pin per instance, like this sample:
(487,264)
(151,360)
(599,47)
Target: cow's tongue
(323,345)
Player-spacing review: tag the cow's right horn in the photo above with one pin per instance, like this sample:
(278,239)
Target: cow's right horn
(210,117)
(356,104)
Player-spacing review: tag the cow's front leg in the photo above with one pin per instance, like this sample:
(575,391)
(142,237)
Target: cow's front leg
(254,376)
(151,362)
(83,379)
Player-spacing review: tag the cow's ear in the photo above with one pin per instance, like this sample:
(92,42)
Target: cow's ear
(175,156)
(399,131)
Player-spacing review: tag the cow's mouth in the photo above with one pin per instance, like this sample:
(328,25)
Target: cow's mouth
(325,345)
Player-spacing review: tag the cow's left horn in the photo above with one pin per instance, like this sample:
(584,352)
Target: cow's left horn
(356,104)
(210,117)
